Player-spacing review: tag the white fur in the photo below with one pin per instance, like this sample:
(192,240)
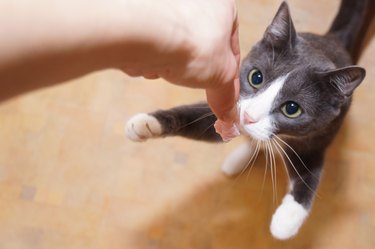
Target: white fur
(237,160)
(142,126)
(288,218)
(259,108)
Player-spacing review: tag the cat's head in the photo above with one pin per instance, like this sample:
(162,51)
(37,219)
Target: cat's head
(289,87)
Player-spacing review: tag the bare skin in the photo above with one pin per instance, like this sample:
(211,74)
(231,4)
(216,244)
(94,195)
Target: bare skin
(192,43)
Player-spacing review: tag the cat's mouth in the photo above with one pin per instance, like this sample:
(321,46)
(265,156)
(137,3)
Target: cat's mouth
(260,128)
(255,132)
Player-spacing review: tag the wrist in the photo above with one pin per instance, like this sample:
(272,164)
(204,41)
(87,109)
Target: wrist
(140,34)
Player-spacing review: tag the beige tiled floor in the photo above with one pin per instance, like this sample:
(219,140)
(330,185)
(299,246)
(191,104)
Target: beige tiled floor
(69,178)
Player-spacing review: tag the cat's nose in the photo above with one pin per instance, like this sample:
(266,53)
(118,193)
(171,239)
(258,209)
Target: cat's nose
(248,119)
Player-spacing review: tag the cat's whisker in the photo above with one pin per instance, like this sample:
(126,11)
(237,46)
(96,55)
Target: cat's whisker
(282,158)
(271,163)
(299,158)
(205,130)
(268,163)
(268,156)
(265,169)
(273,160)
(250,163)
(250,160)
(244,168)
(253,159)
(294,167)
(196,120)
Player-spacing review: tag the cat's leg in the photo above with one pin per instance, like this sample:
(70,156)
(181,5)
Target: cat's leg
(192,121)
(295,206)
(239,159)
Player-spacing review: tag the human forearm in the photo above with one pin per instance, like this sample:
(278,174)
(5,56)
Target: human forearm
(45,42)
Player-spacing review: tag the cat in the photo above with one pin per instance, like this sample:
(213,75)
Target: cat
(295,90)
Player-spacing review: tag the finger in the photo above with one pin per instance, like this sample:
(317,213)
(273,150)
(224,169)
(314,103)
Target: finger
(223,101)
(226,131)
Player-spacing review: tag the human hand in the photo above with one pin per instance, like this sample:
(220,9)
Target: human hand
(192,43)
(217,61)
(202,51)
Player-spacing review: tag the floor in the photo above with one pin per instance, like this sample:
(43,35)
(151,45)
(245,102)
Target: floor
(70,179)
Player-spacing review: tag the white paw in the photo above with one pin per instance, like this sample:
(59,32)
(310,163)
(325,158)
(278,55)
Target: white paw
(288,218)
(238,160)
(142,126)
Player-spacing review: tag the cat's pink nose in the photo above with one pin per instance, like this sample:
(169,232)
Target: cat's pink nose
(248,119)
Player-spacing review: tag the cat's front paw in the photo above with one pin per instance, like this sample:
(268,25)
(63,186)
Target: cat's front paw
(142,126)
(288,218)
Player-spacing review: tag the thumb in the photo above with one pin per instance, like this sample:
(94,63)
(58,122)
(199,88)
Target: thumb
(223,101)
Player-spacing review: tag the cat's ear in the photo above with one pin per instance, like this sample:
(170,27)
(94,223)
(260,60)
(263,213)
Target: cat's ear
(281,32)
(345,80)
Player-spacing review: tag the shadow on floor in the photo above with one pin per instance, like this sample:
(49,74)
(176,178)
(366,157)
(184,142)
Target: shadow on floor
(236,213)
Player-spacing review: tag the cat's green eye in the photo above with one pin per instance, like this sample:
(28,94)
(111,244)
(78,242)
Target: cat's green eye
(291,109)
(255,78)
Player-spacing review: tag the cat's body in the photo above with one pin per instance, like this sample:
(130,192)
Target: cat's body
(295,91)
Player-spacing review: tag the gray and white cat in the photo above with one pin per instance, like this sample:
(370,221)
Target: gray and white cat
(295,91)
